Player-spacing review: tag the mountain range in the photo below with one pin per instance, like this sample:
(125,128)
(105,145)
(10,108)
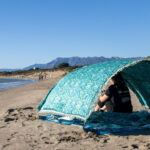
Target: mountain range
(72,61)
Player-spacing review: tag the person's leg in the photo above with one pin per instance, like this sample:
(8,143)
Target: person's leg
(109,106)
(100,106)
(103,108)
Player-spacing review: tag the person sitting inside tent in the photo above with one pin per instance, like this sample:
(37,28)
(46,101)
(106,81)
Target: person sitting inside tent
(116,98)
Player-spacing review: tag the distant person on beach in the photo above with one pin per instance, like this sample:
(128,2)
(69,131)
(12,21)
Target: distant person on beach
(40,76)
(116,98)
(44,76)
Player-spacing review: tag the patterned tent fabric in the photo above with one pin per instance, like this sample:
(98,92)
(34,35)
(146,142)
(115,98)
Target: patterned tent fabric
(137,77)
(75,95)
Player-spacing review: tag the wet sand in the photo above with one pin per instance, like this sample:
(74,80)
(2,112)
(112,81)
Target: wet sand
(20,128)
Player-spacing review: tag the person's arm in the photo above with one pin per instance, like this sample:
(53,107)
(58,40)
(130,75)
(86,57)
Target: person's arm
(103,98)
(97,108)
(107,94)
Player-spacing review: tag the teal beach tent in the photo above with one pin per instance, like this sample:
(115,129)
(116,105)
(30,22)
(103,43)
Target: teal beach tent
(76,94)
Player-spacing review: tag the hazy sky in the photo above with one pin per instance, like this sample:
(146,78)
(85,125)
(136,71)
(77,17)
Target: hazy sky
(38,31)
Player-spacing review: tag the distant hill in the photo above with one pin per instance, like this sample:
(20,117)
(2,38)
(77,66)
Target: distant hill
(72,61)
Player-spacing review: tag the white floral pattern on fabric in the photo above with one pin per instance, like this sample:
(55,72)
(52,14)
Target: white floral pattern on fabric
(76,93)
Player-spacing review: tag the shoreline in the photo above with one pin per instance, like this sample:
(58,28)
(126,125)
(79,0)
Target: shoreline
(16,82)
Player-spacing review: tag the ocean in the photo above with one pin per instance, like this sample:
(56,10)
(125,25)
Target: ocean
(6,83)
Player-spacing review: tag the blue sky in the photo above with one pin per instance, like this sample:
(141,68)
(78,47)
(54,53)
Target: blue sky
(38,31)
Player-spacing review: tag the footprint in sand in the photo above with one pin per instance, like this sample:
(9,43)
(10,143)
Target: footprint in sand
(16,114)
(28,108)
(10,110)
(40,127)
(135,146)
(2,126)
(46,140)
(95,137)
(4,146)
(9,119)
(124,146)
(148,146)
(67,139)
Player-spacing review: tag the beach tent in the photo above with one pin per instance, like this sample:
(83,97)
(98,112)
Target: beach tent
(76,94)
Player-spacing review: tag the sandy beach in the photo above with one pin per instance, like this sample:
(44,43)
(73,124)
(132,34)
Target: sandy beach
(20,128)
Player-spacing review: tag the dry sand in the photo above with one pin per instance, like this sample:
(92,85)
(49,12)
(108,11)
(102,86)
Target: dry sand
(19,128)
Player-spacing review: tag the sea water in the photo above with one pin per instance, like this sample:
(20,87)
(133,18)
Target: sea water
(6,83)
